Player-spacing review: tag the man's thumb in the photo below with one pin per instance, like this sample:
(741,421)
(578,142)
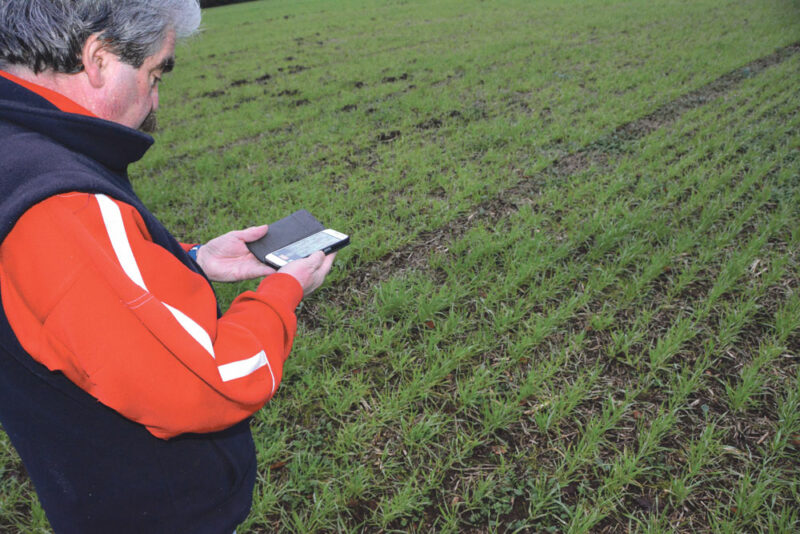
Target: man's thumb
(253,233)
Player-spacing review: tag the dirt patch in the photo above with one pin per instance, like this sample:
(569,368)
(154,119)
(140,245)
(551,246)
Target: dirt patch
(360,510)
(386,137)
(429,124)
(213,94)
(571,164)
(238,104)
(392,79)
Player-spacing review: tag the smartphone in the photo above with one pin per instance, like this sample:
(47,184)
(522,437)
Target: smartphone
(326,240)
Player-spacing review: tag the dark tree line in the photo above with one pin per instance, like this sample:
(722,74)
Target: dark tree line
(214,3)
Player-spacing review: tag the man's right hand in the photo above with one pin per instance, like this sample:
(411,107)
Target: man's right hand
(310,271)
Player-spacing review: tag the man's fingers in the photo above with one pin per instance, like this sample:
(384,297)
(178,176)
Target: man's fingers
(316,259)
(328,262)
(256,270)
(324,265)
(310,271)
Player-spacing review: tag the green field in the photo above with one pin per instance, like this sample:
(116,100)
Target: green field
(572,298)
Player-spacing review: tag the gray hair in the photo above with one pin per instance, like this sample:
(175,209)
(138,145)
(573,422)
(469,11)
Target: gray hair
(50,34)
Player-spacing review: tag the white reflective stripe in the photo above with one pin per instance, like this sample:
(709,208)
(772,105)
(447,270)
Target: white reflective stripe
(112,217)
(242,368)
(195,330)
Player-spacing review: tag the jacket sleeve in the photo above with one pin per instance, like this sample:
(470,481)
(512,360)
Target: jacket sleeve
(89,294)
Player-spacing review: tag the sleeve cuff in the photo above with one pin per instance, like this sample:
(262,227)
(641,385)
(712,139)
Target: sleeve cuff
(283,286)
(192,252)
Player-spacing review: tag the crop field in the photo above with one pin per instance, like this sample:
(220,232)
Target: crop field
(572,298)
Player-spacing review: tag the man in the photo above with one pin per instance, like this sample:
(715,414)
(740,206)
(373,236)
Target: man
(125,392)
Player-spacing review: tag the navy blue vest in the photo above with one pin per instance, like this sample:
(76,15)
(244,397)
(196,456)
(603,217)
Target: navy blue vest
(94,470)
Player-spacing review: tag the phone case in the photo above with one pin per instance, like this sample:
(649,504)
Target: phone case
(286,231)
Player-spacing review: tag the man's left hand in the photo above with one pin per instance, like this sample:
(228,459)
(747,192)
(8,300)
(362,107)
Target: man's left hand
(227,259)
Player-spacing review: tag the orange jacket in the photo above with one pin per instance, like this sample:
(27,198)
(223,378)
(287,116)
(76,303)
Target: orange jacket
(89,294)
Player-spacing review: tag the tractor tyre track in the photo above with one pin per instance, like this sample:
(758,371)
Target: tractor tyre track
(414,255)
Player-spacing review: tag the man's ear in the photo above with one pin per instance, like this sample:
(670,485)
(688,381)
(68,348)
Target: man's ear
(95,56)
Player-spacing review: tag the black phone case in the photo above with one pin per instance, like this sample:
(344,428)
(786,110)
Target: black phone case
(286,231)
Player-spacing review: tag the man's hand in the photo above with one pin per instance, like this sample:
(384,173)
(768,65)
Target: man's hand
(310,271)
(227,259)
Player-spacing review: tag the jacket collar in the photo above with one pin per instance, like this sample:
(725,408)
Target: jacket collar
(106,142)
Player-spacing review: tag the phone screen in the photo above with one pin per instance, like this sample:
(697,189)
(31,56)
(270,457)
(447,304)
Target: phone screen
(306,247)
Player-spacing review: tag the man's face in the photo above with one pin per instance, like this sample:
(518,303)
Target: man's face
(132,93)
